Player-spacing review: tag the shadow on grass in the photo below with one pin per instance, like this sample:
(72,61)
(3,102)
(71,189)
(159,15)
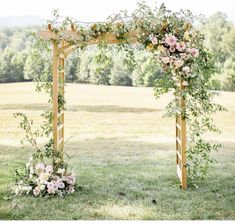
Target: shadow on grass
(99,108)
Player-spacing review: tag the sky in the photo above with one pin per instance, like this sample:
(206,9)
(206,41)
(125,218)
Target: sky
(99,10)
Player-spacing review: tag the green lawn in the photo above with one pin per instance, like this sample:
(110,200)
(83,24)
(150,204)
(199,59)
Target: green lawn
(123,153)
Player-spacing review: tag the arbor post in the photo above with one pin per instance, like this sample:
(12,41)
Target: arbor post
(55,98)
(181,142)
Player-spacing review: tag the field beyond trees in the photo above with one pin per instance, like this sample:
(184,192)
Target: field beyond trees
(123,154)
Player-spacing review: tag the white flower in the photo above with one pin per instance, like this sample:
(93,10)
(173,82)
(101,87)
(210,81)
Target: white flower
(185,83)
(42,187)
(165,60)
(71,190)
(39,168)
(17,190)
(36,191)
(61,171)
(178,63)
(43,177)
(48,169)
(31,170)
(186,69)
(26,189)
(153,39)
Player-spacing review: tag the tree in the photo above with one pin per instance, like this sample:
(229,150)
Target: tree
(146,71)
(18,61)
(215,29)
(34,65)
(83,71)
(121,72)
(220,39)
(101,67)
(11,66)
(71,68)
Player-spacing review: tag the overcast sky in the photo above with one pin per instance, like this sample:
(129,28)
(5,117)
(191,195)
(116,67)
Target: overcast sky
(99,10)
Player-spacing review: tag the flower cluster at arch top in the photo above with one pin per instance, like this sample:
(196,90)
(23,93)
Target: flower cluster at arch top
(174,53)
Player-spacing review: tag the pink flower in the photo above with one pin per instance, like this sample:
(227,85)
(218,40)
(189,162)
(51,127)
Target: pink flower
(48,169)
(178,63)
(56,185)
(193,51)
(50,188)
(185,83)
(183,55)
(170,40)
(36,191)
(61,185)
(71,179)
(165,60)
(154,40)
(180,46)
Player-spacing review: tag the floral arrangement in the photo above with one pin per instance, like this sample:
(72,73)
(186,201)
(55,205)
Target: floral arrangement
(41,180)
(174,54)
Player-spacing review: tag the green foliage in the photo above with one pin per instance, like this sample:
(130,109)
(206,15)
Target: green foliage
(32,136)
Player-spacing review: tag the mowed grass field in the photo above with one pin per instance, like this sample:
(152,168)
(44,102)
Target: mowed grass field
(123,153)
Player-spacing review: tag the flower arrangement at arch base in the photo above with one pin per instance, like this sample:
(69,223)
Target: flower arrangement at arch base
(41,180)
(46,173)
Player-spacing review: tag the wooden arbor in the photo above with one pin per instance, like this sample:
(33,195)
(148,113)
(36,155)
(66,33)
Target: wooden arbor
(63,45)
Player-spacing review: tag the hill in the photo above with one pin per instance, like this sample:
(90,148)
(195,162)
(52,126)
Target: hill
(21,21)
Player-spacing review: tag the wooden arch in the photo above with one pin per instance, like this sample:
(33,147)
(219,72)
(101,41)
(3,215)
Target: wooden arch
(63,44)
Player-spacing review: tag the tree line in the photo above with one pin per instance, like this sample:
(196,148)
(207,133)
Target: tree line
(108,67)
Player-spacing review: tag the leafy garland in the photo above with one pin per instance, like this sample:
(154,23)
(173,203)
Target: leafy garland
(175,44)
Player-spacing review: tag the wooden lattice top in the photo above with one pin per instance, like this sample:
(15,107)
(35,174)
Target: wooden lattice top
(74,35)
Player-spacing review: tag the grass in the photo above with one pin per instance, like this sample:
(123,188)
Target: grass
(123,153)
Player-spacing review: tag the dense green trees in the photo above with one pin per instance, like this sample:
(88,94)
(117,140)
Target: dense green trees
(12,65)
(20,62)
(220,39)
